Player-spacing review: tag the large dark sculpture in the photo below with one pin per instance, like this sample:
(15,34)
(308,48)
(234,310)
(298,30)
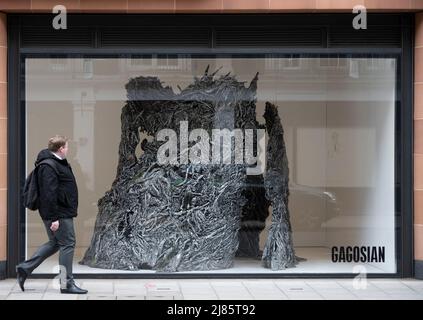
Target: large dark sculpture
(184,216)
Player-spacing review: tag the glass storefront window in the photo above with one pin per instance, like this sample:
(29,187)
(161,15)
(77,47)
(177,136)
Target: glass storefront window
(338,120)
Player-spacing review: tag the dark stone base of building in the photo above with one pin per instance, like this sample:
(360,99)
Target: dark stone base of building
(3,270)
(418,269)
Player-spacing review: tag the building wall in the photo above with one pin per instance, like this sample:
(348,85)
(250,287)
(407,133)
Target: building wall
(418,145)
(220,6)
(172,6)
(3,142)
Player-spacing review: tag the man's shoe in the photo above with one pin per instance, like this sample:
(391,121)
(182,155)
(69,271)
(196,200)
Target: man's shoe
(21,277)
(72,288)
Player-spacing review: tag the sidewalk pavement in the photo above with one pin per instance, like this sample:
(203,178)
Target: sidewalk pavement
(219,289)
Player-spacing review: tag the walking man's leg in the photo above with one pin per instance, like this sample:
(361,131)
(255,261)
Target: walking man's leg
(49,248)
(65,236)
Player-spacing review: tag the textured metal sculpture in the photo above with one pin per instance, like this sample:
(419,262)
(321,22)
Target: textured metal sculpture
(181,217)
(278,252)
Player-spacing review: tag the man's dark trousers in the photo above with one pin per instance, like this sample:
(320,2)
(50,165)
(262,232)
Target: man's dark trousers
(63,240)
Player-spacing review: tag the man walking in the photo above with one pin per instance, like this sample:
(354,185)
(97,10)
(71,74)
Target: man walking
(58,195)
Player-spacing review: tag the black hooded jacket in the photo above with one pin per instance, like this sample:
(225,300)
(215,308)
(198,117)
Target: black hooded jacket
(58,193)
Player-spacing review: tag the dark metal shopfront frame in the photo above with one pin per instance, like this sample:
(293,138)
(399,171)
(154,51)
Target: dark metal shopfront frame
(249,35)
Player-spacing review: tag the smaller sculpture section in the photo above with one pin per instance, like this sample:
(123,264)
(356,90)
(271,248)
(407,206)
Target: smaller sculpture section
(279,250)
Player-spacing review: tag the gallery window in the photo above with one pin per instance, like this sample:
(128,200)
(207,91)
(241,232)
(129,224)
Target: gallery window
(330,125)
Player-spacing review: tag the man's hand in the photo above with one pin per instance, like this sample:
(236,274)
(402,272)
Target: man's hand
(54,226)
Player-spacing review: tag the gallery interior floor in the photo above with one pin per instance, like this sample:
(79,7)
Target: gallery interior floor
(318,261)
